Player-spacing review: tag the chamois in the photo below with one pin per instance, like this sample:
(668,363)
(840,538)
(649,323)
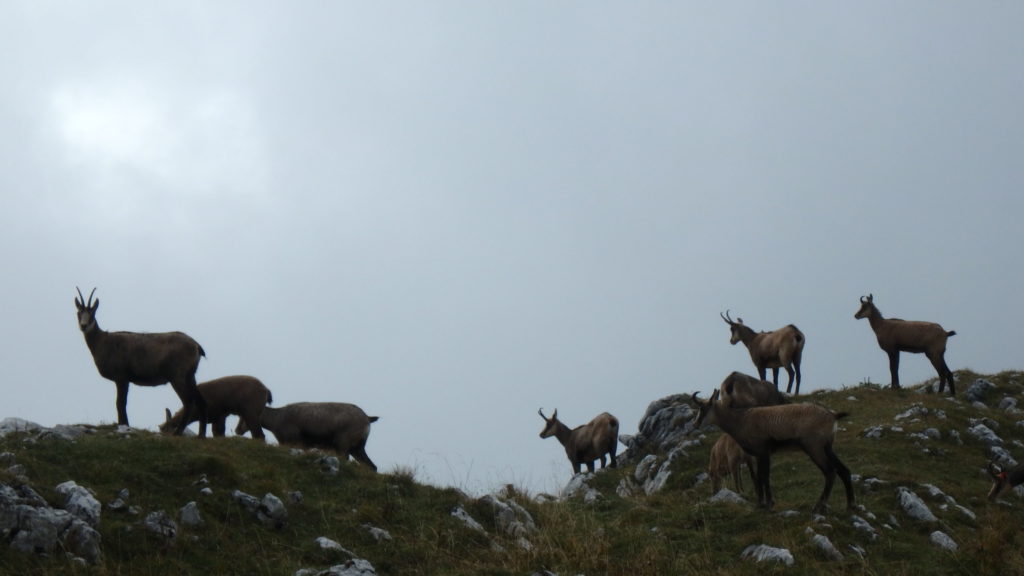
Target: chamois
(727,456)
(145,359)
(585,443)
(243,396)
(782,348)
(765,429)
(338,426)
(747,391)
(1004,479)
(895,336)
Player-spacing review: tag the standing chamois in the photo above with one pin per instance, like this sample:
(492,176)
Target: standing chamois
(895,336)
(763,430)
(727,457)
(145,359)
(782,348)
(585,443)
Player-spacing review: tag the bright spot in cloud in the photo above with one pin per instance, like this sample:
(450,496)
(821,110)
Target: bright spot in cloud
(132,140)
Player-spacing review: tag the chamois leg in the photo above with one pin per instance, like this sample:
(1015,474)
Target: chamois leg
(603,461)
(775,377)
(764,464)
(792,374)
(844,475)
(894,368)
(737,478)
(752,468)
(762,373)
(824,463)
(796,368)
(939,362)
(252,422)
(191,400)
(122,403)
(716,483)
(611,453)
(359,453)
(219,424)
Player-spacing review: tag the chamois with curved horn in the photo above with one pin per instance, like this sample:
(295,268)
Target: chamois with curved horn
(782,348)
(764,430)
(895,336)
(145,359)
(586,443)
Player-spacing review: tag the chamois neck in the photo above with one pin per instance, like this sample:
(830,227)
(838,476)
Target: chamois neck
(93,335)
(562,432)
(746,333)
(875,316)
(725,418)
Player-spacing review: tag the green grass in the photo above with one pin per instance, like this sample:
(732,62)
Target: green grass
(672,532)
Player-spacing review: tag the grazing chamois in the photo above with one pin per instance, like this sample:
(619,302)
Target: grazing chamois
(587,443)
(782,348)
(895,336)
(1004,479)
(145,359)
(242,396)
(762,430)
(338,426)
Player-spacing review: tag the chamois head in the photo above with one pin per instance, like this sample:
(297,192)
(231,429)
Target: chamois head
(86,310)
(1000,479)
(551,426)
(734,326)
(703,407)
(866,305)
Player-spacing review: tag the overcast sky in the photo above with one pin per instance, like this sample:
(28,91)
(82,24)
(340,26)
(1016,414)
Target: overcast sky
(454,213)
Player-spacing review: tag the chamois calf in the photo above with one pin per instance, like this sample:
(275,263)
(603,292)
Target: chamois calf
(727,456)
(762,430)
(338,426)
(586,443)
(1004,479)
(145,359)
(895,336)
(782,348)
(243,396)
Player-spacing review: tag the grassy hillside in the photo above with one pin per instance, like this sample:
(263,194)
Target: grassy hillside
(675,531)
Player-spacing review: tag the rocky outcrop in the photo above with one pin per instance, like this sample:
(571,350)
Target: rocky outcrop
(664,426)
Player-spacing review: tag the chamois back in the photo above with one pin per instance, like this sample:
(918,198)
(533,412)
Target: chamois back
(338,426)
